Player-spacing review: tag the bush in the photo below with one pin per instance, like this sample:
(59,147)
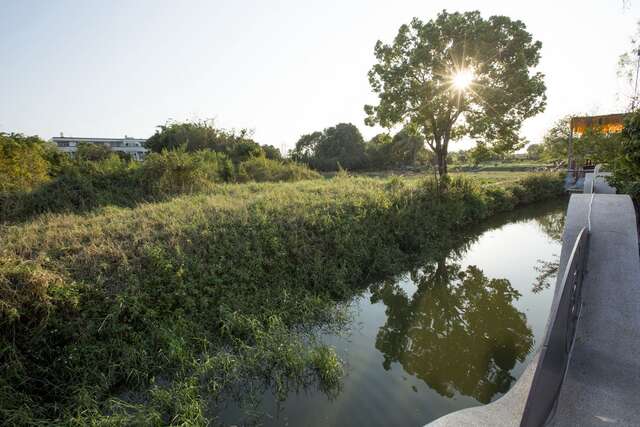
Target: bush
(202,135)
(23,162)
(262,169)
(626,172)
(81,186)
(177,172)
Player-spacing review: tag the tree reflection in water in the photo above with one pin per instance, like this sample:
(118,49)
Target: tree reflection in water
(458,332)
(553,226)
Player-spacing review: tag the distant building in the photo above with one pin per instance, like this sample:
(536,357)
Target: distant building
(134,147)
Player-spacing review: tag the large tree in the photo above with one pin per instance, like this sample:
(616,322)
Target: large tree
(458,75)
(338,146)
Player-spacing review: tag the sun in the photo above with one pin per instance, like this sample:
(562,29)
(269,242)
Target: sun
(462,79)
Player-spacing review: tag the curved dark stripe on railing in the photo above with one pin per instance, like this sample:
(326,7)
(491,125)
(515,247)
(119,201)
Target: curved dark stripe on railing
(558,342)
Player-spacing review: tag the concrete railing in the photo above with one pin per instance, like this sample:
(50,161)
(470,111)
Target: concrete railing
(596,182)
(558,343)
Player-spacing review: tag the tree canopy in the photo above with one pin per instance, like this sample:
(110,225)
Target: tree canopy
(338,146)
(458,75)
(535,151)
(343,146)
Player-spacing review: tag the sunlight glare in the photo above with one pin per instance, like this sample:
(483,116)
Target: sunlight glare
(462,79)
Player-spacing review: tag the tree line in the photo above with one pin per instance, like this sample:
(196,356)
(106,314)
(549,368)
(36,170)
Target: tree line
(343,146)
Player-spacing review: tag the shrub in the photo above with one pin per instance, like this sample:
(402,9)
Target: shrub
(626,174)
(23,162)
(177,172)
(262,169)
(202,135)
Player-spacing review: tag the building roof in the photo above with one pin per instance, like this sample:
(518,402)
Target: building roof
(608,123)
(77,138)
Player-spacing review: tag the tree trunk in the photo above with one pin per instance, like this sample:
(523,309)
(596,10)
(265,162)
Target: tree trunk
(441,162)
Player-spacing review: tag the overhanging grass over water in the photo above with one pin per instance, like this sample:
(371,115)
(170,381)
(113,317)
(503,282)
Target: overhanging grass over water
(149,314)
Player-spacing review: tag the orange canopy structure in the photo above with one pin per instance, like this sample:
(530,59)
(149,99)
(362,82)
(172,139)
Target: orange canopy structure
(609,123)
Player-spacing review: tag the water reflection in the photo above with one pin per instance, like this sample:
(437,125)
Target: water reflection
(553,226)
(459,331)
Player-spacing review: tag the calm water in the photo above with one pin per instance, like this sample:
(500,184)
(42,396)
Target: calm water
(452,333)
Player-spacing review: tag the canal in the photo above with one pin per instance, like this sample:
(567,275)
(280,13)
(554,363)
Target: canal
(453,332)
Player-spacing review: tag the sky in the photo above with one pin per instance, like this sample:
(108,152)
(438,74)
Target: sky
(111,68)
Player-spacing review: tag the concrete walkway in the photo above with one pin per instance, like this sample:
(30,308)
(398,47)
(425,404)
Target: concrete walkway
(602,385)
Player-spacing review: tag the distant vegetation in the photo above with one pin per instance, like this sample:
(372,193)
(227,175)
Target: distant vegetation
(593,145)
(343,147)
(202,135)
(36,178)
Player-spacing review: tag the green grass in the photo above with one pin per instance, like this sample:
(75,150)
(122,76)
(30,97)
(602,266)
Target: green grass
(485,175)
(149,315)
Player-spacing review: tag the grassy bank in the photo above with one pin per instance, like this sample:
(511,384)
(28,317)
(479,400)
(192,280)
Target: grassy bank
(149,315)
(84,186)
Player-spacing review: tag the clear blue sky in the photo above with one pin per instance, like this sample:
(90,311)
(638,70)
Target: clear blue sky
(282,68)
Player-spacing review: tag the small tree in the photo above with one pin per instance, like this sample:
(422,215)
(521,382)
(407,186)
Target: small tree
(93,152)
(458,75)
(339,145)
(534,151)
(480,154)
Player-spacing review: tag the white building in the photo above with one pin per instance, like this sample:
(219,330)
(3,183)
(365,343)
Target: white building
(132,146)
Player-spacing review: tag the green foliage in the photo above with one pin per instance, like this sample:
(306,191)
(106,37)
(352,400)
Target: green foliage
(480,154)
(626,173)
(81,186)
(408,148)
(202,135)
(592,145)
(23,162)
(379,152)
(92,152)
(341,145)
(178,172)
(414,79)
(535,151)
(271,152)
(262,169)
(556,140)
(144,315)
(84,185)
